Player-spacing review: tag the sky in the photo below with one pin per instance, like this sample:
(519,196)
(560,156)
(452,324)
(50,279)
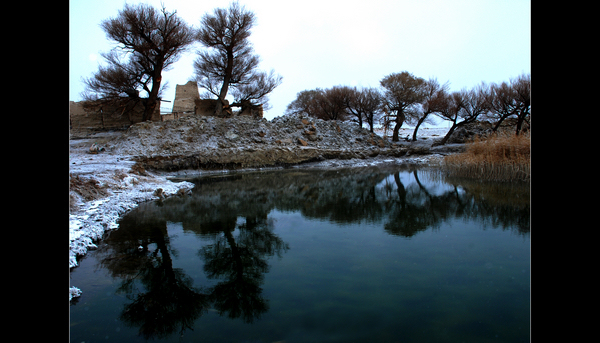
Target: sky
(324,43)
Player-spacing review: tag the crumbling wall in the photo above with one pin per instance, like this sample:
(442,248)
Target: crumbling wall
(206,107)
(185,97)
(187,102)
(251,110)
(105,117)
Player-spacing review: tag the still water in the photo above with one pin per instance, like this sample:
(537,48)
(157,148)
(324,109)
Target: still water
(362,255)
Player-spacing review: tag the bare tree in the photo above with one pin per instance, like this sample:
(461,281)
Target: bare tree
(255,92)
(230,61)
(463,107)
(511,100)
(151,40)
(433,101)
(522,86)
(364,103)
(332,103)
(115,87)
(327,104)
(401,92)
(305,103)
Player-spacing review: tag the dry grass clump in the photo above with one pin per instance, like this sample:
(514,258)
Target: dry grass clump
(500,157)
(88,189)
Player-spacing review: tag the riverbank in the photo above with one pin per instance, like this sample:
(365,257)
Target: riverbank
(133,166)
(103,187)
(210,143)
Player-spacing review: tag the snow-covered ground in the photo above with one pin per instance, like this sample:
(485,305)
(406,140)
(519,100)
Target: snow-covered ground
(125,189)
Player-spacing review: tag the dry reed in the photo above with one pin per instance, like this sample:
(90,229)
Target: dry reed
(500,157)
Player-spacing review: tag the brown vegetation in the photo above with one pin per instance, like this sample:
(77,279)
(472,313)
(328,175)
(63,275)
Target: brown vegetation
(88,189)
(500,157)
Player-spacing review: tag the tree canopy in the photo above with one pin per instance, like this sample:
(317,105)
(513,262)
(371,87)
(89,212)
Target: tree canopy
(229,60)
(149,41)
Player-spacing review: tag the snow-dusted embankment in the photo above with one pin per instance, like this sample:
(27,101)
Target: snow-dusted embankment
(104,187)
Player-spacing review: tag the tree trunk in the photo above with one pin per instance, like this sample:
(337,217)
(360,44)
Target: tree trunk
(519,124)
(396,131)
(225,86)
(400,189)
(399,122)
(445,139)
(152,98)
(495,128)
(414,137)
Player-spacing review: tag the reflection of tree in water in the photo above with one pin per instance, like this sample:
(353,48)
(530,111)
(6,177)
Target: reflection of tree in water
(406,218)
(363,195)
(241,263)
(163,299)
(419,209)
(504,205)
(232,213)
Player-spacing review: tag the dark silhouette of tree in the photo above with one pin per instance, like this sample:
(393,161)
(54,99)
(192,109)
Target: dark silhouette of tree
(463,107)
(432,102)
(402,91)
(229,60)
(241,263)
(332,103)
(364,104)
(149,41)
(522,86)
(326,104)
(338,103)
(511,100)
(163,299)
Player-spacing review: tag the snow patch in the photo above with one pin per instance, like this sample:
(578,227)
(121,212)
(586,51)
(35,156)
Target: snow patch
(126,189)
(74,292)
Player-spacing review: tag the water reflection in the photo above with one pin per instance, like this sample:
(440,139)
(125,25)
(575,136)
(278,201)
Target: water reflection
(162,298)
(240,262)
(408,200)
(231,215)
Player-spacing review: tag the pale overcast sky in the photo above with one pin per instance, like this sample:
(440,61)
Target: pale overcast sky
(323,43)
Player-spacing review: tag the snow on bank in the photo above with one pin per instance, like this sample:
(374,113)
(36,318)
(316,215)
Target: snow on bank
(89,220)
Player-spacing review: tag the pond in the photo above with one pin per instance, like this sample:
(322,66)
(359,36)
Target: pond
(385,254)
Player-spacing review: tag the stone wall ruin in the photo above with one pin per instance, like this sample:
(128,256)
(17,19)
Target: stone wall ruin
(106,117)
(187,102)
(185,96)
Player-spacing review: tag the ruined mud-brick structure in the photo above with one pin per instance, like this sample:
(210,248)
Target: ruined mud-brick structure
(105,117)
(187,102)
(185,97)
